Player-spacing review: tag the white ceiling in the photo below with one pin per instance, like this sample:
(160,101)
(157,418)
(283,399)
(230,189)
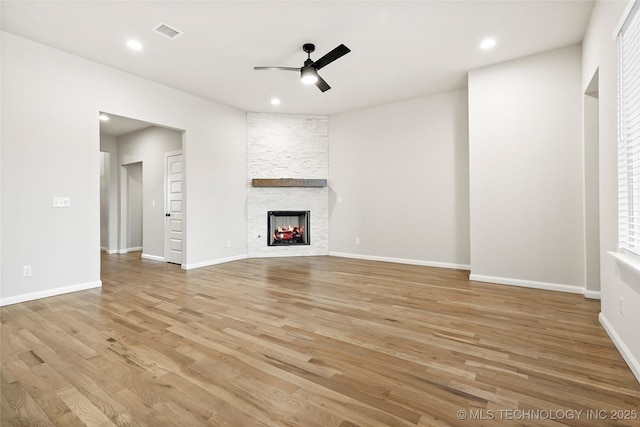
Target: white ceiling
(399,49)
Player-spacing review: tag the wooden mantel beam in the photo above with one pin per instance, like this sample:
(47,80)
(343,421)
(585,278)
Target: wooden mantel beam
(288,182)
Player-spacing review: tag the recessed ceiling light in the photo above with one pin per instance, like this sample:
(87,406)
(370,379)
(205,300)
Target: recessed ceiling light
(103,117)
(488,44)
(134,45)
(275,101)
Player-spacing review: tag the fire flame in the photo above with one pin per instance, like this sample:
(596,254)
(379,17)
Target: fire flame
(288,233)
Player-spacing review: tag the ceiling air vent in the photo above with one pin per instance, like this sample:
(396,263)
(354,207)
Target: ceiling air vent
(167,31)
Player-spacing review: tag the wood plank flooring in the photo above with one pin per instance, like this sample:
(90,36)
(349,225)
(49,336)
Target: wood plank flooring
(309,341)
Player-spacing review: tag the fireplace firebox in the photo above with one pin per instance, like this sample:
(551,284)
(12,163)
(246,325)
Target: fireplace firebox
(285,228)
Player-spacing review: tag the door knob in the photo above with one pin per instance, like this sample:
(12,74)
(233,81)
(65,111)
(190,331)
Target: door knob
(167,214)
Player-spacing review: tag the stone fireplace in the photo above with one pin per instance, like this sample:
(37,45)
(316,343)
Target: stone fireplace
(295,147)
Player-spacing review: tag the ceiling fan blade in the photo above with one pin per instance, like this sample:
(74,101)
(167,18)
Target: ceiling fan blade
(331,56)
(277,68)
(322,85)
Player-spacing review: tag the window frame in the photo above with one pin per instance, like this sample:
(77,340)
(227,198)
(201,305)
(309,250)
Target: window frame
(628,95)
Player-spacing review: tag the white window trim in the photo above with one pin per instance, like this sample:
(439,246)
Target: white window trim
(625,260)
(623,19)
(626,256)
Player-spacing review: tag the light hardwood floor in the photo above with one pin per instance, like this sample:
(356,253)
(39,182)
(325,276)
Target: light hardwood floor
(309,341)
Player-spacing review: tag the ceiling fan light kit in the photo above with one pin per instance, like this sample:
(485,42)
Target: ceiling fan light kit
(308,75)
(309,70)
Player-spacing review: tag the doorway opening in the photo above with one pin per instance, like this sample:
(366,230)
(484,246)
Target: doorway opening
(591,122)
(133,187)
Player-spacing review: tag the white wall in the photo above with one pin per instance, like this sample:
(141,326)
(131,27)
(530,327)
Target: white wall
(399,181)
(134,206)
(50,102)
(1,162)
(109,146)
(104,200)
(525,156)
(599,52)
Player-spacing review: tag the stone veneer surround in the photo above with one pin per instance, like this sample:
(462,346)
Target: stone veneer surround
(287,146)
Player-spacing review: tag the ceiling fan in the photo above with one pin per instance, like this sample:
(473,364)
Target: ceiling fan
(309,70)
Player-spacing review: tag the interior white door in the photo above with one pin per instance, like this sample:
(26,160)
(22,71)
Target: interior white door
(174,202)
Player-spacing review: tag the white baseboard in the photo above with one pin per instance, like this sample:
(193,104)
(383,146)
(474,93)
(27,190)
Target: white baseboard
(127,250)
(633,363)
(402,260)
(213,262)
(527,283)
(152,257)
(591,294)
(49,293)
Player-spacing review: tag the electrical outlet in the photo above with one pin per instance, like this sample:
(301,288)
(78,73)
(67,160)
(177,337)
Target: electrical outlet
(228,243)
(26,270)
(61,202)
(357,241)
(622,306)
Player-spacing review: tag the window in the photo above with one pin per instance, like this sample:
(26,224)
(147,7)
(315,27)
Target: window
(629,133)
